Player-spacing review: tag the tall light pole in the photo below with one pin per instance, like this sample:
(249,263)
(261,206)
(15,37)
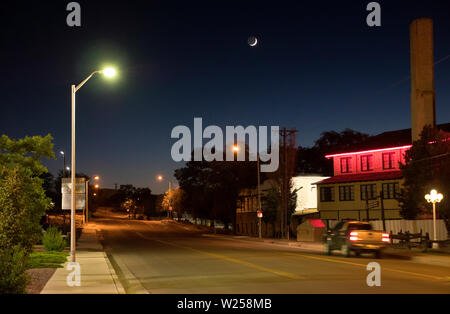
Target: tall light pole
(259,197)
(160,178)
(434,197)
(259,210)
(64,161)
(109,72)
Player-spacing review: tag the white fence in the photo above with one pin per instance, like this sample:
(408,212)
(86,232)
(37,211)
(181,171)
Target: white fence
(412,226)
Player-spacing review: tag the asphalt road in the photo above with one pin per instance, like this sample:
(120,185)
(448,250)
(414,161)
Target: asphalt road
(167,257)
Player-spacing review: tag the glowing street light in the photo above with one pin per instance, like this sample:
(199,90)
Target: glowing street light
(259,211)
(109,73)
(97,178)
(64,162)
(97,186)
(434,197)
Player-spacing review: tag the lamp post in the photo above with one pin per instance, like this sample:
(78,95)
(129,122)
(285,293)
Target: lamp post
(259,198)
(259,210)
(64,161)
(109,72)
(434,197)
(160,178)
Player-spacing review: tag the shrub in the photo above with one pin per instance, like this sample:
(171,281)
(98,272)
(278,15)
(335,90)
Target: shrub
(53,240)
(13,279)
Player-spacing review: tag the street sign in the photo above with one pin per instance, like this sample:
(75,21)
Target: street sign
(80,193)
(260,214)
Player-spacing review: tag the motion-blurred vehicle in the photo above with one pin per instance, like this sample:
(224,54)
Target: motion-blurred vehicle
(355,236)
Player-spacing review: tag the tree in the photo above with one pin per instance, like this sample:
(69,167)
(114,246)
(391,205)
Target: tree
(22,198)
(312,159)
(271,202)
(173,201)
(22,204)
(426,167)
(212,188)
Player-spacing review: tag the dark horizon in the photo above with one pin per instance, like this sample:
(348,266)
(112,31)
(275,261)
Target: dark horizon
(316,67)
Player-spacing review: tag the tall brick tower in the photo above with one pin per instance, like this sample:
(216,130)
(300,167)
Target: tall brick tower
(423,98)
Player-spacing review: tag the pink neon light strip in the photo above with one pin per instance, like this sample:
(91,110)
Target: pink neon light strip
(368,151)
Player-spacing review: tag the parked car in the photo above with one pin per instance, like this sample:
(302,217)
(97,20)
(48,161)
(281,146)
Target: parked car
(355,236)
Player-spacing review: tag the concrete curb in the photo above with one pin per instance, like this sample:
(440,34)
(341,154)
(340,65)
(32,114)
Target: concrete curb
(116,280)
(128,283)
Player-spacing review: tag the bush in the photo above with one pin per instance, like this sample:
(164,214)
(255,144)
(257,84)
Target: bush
(13,279)
(53,240)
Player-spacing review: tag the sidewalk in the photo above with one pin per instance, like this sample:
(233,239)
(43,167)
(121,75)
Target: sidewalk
(429,258)
(97,274)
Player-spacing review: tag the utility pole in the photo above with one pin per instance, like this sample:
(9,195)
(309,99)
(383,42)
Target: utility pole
(86,214)
(259,196)
(283,185)
(382,210)
(288,168)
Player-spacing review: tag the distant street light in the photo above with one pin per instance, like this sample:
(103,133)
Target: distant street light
(160,178)
(64,161)
(97,186)
(434,197)
(97,178)
(108,72)
(259,210)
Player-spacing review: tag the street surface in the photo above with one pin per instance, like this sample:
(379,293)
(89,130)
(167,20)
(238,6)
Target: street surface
(173,258)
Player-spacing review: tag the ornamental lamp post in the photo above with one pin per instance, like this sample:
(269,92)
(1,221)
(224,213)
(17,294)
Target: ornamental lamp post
(434,197)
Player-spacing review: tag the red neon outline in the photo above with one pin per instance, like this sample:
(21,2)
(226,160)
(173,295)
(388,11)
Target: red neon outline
(367,151)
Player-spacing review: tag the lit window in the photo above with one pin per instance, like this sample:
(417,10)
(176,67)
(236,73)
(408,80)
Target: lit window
(346,165)
(367,163)
(391,190)
(368,191)
(327,194)
(388,160)
(346,193)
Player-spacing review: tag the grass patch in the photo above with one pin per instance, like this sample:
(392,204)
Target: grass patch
(47,260)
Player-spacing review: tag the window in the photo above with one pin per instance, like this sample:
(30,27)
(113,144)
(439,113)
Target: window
(367,163)
(346,193)
(391,190)
(327,194)
(388,160)
(346,165)
(368,191)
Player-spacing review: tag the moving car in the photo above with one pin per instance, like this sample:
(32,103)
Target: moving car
(356,236)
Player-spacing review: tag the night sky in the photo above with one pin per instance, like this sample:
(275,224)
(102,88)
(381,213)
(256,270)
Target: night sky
(317,67)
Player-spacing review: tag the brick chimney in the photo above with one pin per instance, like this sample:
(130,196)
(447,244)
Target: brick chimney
(423,98)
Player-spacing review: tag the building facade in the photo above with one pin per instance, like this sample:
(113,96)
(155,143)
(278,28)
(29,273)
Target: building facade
(247,207)
(365,185)
(367,179)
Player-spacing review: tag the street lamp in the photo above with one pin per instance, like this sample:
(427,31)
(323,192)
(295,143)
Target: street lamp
(434,197)
(160,178)
(259,210)
(64,161)
(108,72)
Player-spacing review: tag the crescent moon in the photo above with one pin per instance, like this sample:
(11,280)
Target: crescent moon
(254,43)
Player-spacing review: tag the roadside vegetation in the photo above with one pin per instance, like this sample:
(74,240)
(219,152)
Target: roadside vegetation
(23,203)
